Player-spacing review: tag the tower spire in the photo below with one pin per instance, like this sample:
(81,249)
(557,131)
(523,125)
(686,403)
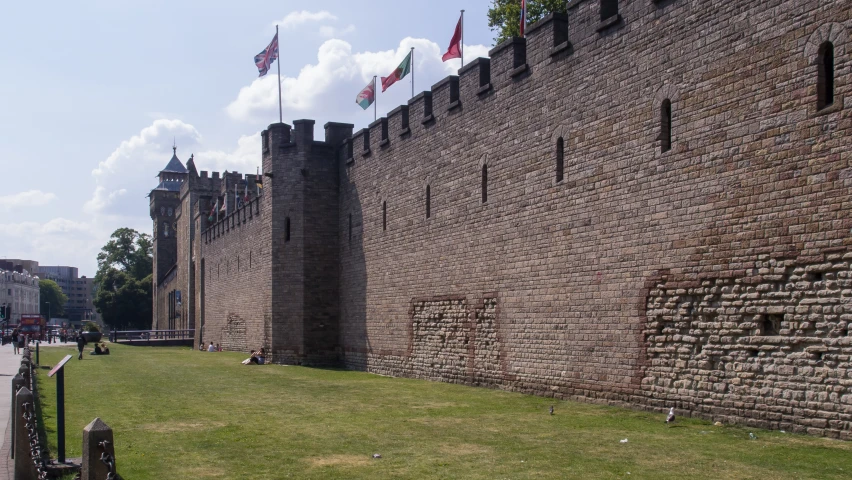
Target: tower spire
(174,145)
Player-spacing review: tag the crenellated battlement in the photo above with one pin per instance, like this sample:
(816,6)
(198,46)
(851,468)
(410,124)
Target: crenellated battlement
(510,62)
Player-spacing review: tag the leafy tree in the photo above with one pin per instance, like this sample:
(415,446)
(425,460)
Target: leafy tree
(504,16)
(128,251)
(50,292)
(125,280)
(124,302)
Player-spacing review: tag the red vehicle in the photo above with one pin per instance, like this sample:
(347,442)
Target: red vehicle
(32,325)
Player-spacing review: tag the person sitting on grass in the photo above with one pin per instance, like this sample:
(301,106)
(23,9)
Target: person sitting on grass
(211,348)
(98,350)
(218,348)
(104,349)
(258,357)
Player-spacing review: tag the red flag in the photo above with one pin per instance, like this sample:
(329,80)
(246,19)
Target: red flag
(523,16)
(455,44)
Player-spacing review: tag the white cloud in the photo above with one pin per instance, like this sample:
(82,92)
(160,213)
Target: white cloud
(125,178)
(244,159)
(330,31)
(30,198)
(294,19)
(326,90)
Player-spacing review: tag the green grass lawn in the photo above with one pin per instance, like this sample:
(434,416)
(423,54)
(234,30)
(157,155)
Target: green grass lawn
(178,413)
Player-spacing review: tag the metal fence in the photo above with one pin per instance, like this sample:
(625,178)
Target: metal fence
(145,335)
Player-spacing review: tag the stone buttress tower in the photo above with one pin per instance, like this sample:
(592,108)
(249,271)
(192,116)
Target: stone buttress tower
(302,175)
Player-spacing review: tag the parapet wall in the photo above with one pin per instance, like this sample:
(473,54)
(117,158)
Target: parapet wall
(542,284)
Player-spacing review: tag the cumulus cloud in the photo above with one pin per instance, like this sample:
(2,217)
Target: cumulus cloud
(30,198)
(245,158)
(330,31)
(127,175)
(326,89)
(294,19)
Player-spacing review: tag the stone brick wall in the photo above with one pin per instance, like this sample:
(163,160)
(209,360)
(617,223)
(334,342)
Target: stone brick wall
(755,174)
(236,288)
(773,345)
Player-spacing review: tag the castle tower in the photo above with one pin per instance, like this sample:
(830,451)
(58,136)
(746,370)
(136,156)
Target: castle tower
(165,199)
(303,199)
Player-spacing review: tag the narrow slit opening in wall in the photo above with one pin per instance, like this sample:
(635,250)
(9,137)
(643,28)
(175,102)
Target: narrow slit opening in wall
(666,126)
(484,183)
(384,216)
(560,159)
(350,228)
(819,276)
(287,229)
(825,75)
(249,259)
(428,201)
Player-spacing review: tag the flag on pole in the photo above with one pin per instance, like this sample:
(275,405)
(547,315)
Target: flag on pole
(523,16)
(455,44)
(212,211)
(264,59)
(367,96)
(401,71)
(246,194)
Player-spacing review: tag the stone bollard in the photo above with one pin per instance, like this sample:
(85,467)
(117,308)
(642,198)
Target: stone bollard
(93,435)
(17,384)
(24,372)
(24,466)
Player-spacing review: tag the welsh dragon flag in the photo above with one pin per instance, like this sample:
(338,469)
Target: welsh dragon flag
(401,71)
(367,95)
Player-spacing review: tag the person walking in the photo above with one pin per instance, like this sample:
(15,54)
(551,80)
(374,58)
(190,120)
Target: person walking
(81,342)
(15,340)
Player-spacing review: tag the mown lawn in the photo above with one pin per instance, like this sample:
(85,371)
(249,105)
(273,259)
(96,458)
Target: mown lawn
(178,413)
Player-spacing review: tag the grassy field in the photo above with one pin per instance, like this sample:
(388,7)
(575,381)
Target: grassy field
(178,413)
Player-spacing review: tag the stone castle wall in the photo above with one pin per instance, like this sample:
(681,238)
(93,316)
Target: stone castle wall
(755,175)
(235,281)
(710,277)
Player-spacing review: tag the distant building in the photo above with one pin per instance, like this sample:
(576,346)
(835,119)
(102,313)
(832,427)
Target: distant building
(80,292)
(18,290)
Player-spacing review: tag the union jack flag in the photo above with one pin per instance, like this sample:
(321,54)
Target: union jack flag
(264,59)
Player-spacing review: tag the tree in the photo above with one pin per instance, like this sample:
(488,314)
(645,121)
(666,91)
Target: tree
(128,251)
(49,292)
(504,16)
(125,281)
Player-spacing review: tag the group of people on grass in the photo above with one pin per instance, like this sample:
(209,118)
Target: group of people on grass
(100,348)
(258,357)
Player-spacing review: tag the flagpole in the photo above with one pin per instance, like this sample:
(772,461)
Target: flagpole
(412,72)
(461,45)
(280,112)
(375,99)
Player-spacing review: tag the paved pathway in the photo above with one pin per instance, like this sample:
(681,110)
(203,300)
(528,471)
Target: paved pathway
(9,365)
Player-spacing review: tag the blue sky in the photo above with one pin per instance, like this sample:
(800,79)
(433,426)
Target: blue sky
(94,92)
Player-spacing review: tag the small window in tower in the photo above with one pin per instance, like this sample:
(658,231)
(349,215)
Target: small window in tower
(560,159)
(287,229)
(384,216)
(484,183)
(609,9)
(825,75)
(428,201)
(666,126)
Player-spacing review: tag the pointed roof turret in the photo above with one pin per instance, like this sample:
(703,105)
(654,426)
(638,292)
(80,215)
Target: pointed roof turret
(190,166)
(175,165)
